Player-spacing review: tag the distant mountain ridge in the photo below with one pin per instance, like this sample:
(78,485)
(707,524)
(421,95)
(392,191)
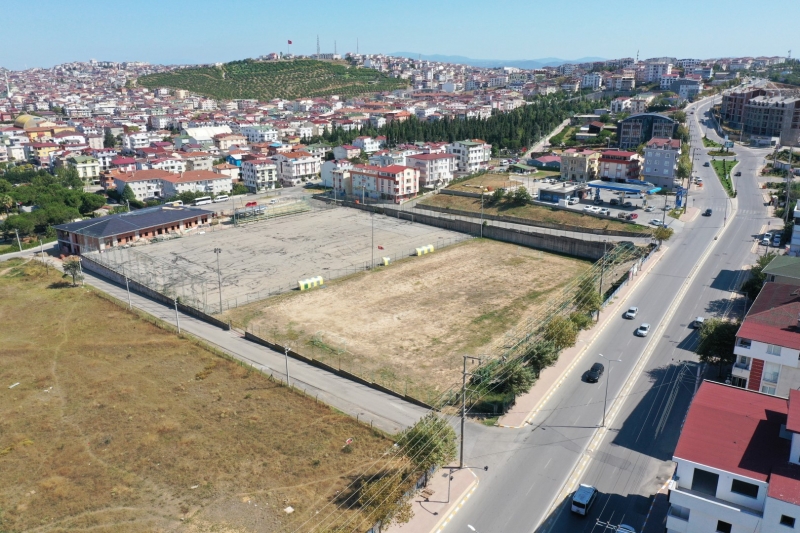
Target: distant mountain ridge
(494,63)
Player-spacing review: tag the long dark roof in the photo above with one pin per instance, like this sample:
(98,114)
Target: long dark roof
(127,222)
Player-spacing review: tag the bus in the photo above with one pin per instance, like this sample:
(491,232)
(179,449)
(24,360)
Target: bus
(202,200)
(176,203)
(220,198)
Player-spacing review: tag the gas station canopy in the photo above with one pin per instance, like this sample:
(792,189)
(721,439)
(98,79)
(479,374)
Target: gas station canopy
(631,186)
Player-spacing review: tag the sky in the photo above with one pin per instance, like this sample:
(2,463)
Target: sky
(201,31)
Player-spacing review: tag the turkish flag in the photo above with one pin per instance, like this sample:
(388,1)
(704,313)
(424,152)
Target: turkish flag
(290,42)
(380,247)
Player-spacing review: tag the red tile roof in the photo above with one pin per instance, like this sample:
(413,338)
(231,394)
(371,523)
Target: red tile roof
(431,157)
(793,422)
(784,484)
(194,175)
(661,142)
(735,430)
(773,318)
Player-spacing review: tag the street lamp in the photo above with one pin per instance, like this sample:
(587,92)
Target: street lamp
(483,192)
(219,277)
(608,378)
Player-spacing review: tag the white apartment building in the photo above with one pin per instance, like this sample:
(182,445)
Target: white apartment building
(435,170)
(170,164)
(296,167)
(368,144)
(329,167)
(202,181)
(145,184)
(620,104)
(661,162)
(768,342)
(737,464)
(386,158)
(471,156)
(667,80)
(259,174)
(259,134)
(592,80)
(654,71)
(395,183)
(141,139)
(88,168)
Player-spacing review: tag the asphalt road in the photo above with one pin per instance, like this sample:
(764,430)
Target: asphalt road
(528,468)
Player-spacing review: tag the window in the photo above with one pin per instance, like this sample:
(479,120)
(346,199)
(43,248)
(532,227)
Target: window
(723,527)
(744,343)
(705,482)
(773,350)
(679,512)
(768,390)
(771,372)
(744,488)
(787,521)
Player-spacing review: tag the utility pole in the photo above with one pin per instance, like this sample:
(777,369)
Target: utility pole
(41,251)
(464,405)
(219,277)
(608,378)
(483,192)
(372,219)
(127,287)
(286,357)
(177,318)
(788,187)
(18,241)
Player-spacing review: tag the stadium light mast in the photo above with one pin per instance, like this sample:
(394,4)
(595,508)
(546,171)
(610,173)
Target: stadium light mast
(219,277)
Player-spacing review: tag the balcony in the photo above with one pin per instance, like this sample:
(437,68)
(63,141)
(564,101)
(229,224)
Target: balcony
(698,502)
(678,521)
(741,370)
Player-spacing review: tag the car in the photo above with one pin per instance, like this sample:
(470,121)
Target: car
(587,208)
(707,212)
(614,201)
(776,240)
(583,499)
(598,201)
(706,164)
(698,181)
(605,211)
(595,209)
(622,214)
(572,201)
(625,528)
(594,374)
(765,242)
(631,312)
(643,330)
(738,174)
(649,209)
(655,222)
(697,323)
(768,235)
(628,204)
(631,216)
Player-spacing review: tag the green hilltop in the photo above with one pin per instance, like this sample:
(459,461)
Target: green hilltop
(264,80)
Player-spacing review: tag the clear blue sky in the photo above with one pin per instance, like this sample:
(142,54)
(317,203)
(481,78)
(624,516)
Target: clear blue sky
(201,31)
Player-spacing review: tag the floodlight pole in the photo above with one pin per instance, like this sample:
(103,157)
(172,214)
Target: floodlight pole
(177,318)
(219,277)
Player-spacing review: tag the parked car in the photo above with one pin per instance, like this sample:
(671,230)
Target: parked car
(621,214)
(628,204)
(605,211)
(631,216)
(631,312)
(776,240)
(643,330)
(583,499)
(595,209)
(655,222)
(765,241)
(572,201)
(768,235)
(587,208)
(649,209)
(614,201)
(598,201)
(593,376)
(707,212)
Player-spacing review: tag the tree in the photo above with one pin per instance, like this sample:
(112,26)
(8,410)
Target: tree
(68,177)
(6,202)
(540,355)
(717,340)
(21,223)
(757,277)
(497,196)
(682,133)
(588,298)
(72,267)
(429,442)
(521,196)
(128,194)
(5,186)
(385,501)
(680,116)
(90,203)
(238,189)
(605,118)
(662,233)
(109,141)
(516,378)
(562,332)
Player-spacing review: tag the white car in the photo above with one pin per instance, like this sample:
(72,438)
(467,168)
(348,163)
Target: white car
(649,209)
(588,208)
(573,201)
(655,222)
(595,209)
(605,211)
(631,312)
(643,330)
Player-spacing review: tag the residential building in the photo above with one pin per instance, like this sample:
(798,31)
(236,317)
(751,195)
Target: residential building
(794,245)
(619,166)
(346,151)
(145,184)
(768,342)
(259,134)
(328,167)
(385,158)
(170,164)
(140,139)
(654,71)
(667,80)
(395,183)
(105,232)
(471,156)
(368,144)
(199,161)
(579,165)
(232,171)
(318,150)
(661,157)
(296,167)
(435,170)
(592,80)
(259,174)
(737,463)
(88,168)
(640,128)
(620,82)
(776,116)
(225,141)
(196,181)
(733,103)
(620,104)
(687,89)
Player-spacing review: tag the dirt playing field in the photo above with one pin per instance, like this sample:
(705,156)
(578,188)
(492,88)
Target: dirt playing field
(115,425)
(409,324)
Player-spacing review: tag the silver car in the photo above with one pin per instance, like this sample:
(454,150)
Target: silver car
(643,330)
(631,312)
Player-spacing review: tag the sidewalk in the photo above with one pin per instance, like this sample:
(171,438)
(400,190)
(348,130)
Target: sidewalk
(432,507)
(690,214)
(551,378)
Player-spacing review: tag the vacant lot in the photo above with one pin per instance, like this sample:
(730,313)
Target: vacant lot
(501,181)
(532,212)
(117,426)
(409,324)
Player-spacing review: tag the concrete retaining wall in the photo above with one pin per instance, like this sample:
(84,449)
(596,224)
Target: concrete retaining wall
(88,264)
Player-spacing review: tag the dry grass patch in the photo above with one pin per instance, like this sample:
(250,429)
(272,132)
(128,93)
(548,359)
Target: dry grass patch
(535,213)
(407,325)
(490,181)
(120,426)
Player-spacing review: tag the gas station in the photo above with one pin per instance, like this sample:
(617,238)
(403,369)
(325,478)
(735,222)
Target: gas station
(632,188)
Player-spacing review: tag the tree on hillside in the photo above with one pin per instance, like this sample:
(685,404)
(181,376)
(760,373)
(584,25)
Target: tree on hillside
(6,202)
(757,277)
(72,268)
(429,442)
(109,141)
(497,196)
(717,340)
(384,500)
(128,194)
(69,177)
(680,116)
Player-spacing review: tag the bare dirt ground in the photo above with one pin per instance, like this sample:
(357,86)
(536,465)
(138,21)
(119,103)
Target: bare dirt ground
(410,323)
(119,426)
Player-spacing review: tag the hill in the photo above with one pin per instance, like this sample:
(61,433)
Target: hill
(495,63)
(265,80)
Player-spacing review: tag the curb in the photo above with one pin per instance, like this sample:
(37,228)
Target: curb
(449,516)
(534,411)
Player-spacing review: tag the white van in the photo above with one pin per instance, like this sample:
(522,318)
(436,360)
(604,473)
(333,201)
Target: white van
(583,499)
(220,198)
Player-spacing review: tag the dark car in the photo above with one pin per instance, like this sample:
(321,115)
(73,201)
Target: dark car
(707,212)
(738,174)
(593,376)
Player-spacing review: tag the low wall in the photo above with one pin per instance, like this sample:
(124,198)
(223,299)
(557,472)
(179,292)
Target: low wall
(342,373)
(527,222)
(97,268)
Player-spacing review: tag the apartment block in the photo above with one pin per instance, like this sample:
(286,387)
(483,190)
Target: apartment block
(579,165)
(471,156)
(259,174)
(435,170)
(395,183)
(661,162)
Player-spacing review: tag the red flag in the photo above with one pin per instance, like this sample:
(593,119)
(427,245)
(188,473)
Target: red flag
(380,247)
(290,42)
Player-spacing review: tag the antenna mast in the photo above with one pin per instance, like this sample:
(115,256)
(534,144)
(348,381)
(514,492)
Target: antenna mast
(317,46)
